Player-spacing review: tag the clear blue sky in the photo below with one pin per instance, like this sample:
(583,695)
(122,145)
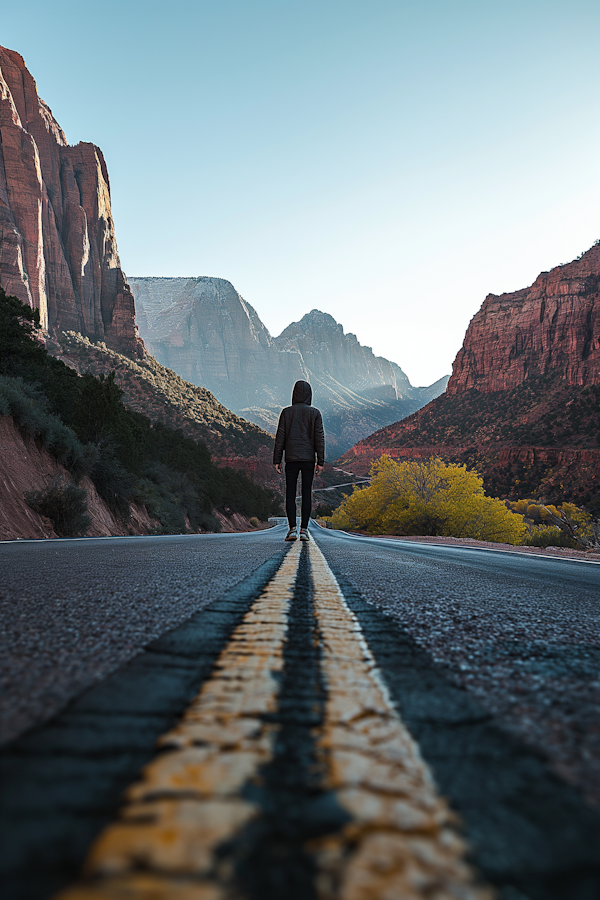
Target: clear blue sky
(388,162)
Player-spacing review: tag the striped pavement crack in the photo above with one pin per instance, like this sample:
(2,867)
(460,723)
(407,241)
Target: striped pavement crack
(62,782)
(290,775)
(273,853)
(189,801)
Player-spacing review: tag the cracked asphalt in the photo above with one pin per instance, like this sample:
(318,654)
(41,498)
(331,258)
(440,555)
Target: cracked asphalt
(491,659)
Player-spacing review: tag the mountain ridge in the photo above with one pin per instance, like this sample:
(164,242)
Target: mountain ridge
(203,329)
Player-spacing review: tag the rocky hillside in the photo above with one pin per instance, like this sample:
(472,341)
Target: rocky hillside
(27,467)
(207,333)
(523,401)
(160,394)
(57,236)
(90,446)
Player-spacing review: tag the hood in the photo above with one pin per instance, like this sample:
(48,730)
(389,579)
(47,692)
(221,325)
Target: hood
(302,393)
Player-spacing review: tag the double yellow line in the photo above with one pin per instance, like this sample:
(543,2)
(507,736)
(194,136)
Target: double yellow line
(400,841)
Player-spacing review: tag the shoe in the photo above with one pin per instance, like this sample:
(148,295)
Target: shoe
(292,535)
(304,535)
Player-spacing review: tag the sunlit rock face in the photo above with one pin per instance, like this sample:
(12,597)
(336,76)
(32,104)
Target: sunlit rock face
(58,251)
(554,325)
(523,402)
(203,330)
(207,333)
(329,353)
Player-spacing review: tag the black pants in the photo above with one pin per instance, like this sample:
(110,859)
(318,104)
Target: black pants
(292,469)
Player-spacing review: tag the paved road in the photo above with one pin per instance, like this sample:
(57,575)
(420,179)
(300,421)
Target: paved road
(287,713)
(75,610)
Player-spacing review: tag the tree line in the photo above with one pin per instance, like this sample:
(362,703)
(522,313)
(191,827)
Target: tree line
(431,497)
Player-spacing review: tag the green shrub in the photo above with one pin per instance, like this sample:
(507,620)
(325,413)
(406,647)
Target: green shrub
(113,482)
(28,406)
(64,504)
(171,497)
(549,536)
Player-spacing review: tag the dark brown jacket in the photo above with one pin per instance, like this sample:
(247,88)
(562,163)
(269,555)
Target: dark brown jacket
(300,430)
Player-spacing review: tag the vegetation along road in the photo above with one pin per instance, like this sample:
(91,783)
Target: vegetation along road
(220,716)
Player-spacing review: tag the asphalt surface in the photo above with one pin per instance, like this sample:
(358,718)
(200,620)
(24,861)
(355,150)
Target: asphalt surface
(72,611)
(520,633)
(491,658)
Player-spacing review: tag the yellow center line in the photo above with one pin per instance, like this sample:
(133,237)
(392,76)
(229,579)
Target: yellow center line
(188,801)
(401,842)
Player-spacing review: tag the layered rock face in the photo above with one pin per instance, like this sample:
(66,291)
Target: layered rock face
(552,326)
(523,402)
(207,333)
(58,251)
(340,361)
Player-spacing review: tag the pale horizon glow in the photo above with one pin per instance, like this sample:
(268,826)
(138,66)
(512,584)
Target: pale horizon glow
(389,164)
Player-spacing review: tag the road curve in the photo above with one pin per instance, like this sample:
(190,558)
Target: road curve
(383,687)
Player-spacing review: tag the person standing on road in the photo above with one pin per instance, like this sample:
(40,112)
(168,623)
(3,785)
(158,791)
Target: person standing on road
(301,436)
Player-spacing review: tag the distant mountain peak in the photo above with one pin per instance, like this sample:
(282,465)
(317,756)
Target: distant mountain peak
(316,315)
(206,332)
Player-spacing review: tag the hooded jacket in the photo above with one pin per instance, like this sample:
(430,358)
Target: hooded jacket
(300,429)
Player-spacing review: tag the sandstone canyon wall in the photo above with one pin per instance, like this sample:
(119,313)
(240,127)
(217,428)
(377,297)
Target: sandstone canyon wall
(523,402)
(552,326)
(207,333)
(58,251)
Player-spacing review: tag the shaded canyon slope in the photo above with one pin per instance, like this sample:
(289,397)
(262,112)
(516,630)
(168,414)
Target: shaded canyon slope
(58,250)
(206,332)
(523,401)
(162,396)
(26,466)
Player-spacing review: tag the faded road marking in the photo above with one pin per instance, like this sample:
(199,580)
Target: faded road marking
(188,801)
(401,841)
(177,832)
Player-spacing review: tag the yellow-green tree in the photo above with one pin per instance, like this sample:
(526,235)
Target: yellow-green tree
(564,525)
(428,497)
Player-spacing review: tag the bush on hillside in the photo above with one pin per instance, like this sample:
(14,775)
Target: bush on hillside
(549,536)
(172,498)
(28,407)
(64,504)
(113,482)
(564,525)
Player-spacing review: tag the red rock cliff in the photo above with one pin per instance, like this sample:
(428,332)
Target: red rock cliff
(523,403)
(554,325)
(58,250)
